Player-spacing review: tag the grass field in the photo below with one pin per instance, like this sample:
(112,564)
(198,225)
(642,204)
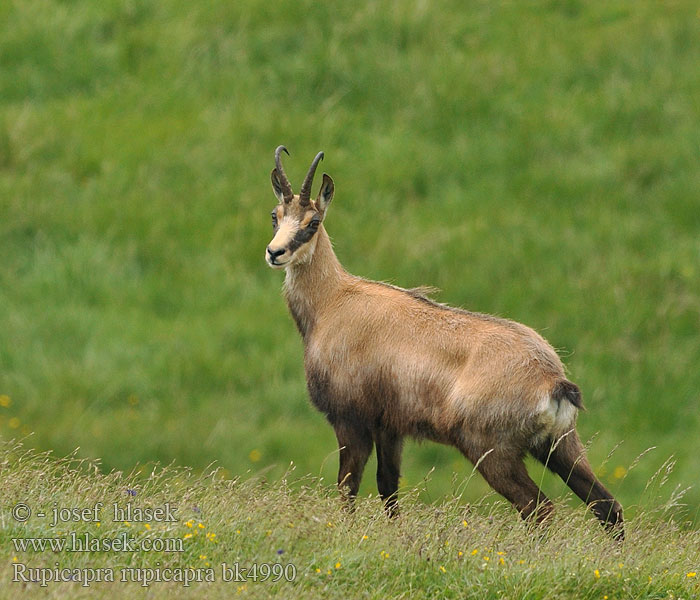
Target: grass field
(315,548)
(538,161)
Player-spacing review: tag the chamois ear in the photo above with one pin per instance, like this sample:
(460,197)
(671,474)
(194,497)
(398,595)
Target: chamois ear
(325,194)
(277,185)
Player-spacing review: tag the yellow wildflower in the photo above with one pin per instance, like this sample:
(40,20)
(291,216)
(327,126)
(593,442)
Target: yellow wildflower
(596,574)
(691,574)
(5,401)
(443,569)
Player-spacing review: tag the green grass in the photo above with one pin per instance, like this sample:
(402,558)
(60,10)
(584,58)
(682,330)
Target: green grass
(445,549)
(536,161)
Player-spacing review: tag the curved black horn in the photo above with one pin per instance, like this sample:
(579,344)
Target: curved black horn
(305,192)
(284,181)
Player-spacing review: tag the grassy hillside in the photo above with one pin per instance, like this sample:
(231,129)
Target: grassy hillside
(537,161)
(314,547)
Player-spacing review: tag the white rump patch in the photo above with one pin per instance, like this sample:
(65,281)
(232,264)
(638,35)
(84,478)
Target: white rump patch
(556,417)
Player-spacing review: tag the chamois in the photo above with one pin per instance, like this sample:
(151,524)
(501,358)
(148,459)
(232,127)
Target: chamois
(384,362)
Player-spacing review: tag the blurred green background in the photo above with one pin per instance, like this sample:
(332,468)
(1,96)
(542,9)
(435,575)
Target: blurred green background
(538,161)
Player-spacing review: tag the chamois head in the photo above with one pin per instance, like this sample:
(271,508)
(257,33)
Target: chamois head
(296,218)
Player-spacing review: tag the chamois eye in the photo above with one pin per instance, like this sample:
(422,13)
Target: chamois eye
(314,224)
(274,218)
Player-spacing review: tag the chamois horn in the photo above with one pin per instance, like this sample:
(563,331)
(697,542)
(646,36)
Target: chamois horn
(305,192)
(284,181)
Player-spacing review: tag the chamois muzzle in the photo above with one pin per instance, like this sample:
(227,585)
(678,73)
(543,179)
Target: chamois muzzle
(273,254)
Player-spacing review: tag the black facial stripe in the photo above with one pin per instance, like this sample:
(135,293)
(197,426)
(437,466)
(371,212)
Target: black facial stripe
(301,237)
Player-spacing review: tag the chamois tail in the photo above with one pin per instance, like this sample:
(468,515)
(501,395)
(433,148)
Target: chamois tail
(567,390)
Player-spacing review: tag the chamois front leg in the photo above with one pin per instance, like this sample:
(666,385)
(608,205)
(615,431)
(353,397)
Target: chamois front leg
(389,447)
(566,457)
(355,444)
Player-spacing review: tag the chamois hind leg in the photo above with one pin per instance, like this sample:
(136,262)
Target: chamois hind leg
(506,473)
(567,458)
(355,444)
(389,447)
